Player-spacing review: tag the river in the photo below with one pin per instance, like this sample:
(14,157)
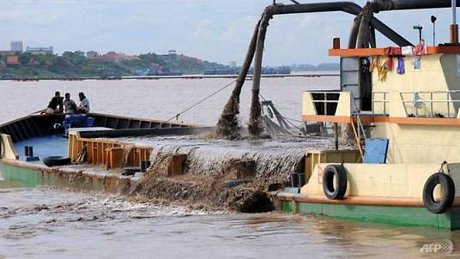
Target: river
(51,223)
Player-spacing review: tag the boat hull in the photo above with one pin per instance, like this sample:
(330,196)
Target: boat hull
(396,215)
(28,175)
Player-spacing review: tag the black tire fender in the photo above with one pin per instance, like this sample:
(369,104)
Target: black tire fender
(338,172)
(2,148)
(448,193)
(56,160)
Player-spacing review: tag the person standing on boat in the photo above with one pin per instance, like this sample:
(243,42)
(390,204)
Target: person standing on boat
(84,103)
(55,105)
(70,107)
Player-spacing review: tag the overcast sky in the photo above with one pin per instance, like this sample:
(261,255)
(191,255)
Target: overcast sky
(215,30)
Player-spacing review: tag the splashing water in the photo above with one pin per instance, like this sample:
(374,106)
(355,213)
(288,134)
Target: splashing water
(273,158)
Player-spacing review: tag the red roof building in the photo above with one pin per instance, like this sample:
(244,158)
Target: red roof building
(12,60)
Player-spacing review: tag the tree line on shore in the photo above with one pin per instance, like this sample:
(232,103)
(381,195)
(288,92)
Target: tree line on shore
(76,64)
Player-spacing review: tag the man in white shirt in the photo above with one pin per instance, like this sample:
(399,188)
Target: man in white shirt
(70,107)
(81,119)
(84,103)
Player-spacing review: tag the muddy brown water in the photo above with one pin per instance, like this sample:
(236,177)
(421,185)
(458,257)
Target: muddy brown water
(51,223)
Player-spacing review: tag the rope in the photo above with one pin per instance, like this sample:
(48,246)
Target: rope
(201,101)
(292,124)
(289,120)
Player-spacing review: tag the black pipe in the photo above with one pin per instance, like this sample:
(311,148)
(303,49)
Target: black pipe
(387,5)
(363,38)
(354,32)
(227,125)
(347,7)
(354,9)
(373,40)
(255,127)
(362,33)
(389,33)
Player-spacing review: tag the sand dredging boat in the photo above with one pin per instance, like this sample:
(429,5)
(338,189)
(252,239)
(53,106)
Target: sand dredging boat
(172,162)
(398,107)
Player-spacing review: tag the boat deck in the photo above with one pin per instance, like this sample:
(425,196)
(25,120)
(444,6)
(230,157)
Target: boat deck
(53,145)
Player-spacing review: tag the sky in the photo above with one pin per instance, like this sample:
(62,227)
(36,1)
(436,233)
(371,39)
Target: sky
(214,30)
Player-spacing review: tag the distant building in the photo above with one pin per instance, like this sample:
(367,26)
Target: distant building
(79,53)
(171,56)
(6,53)
(113,56)
(91,54)
(232,64)
(39,50)
(16,46)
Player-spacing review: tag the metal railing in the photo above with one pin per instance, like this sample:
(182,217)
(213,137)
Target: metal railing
(421,103)
(380,98)
(432,103)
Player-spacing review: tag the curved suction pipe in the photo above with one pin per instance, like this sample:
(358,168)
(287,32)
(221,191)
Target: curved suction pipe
(389,33)
(228,125)
(364,26)
(345,6)
(354,32)
(372,40)
(387,5)
(255,126)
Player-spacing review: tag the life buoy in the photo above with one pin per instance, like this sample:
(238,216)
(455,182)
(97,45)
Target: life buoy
(448,193)
(56,160)
(331,172)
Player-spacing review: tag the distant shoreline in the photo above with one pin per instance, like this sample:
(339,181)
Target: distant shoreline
(192,76)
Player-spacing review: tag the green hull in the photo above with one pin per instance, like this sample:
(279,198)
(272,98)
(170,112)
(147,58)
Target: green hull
(23,176)
(28,177)
(405,216)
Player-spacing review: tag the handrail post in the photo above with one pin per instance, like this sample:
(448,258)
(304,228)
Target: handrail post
(448,104)
(431,104)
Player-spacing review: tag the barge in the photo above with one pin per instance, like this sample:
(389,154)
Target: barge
(89,159)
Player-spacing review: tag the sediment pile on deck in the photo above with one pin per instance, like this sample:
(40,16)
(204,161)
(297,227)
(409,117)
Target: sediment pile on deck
(225,175)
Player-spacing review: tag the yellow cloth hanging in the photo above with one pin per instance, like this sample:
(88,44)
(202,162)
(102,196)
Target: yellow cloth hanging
(382,70)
